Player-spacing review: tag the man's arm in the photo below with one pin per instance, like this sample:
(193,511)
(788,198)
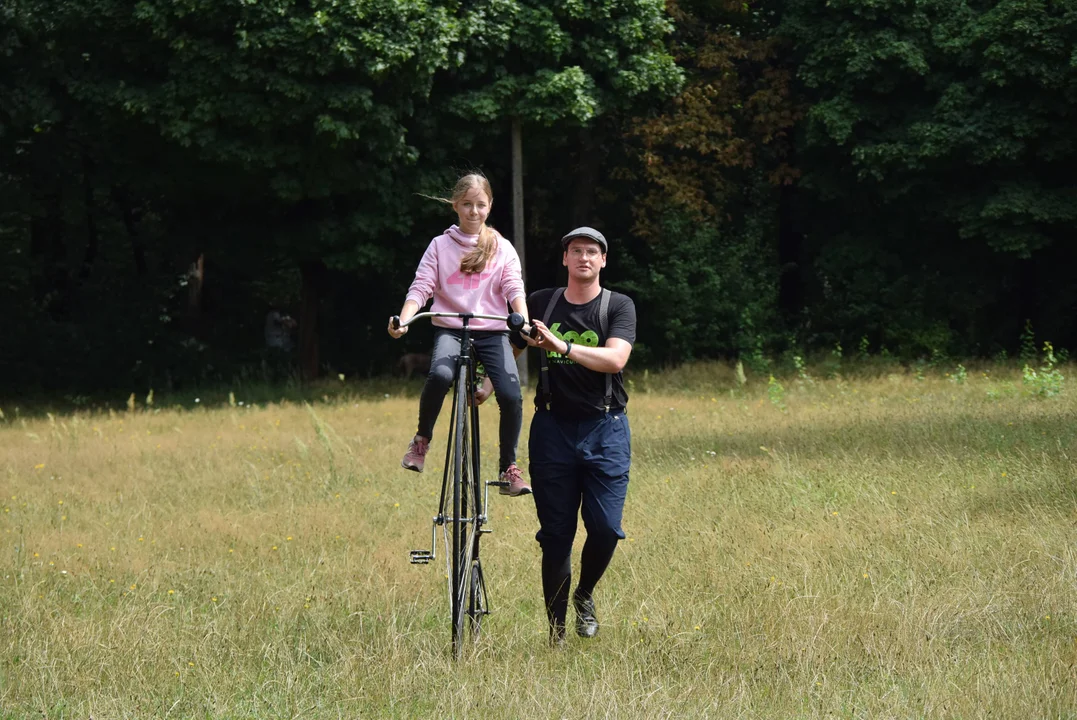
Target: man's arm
(611,358)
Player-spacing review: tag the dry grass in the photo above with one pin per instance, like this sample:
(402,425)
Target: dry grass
(883,548)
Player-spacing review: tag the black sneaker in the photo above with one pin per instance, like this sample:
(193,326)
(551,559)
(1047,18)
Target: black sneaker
(586,622)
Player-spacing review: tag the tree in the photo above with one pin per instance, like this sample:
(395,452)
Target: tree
(936,156)
(559,69)
(260,134)
(525,67)
(712,164)
(293,121)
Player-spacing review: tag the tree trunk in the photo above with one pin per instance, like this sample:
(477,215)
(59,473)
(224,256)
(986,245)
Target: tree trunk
(790,280)
(138,248)
(522,367)
(196,278)
(90,255)
(39,242)
(57,271)
(313,275)
(583,201)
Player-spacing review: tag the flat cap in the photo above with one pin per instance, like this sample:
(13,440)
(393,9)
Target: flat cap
(586,232)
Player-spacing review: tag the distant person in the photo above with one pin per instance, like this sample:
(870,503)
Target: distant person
(278,331)
(470,268)
(581,444)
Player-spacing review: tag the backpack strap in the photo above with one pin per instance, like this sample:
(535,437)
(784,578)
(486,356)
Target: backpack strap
(604,322)
(544,368)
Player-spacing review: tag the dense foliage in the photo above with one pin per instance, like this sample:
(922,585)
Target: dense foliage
(937,205)
(768,173)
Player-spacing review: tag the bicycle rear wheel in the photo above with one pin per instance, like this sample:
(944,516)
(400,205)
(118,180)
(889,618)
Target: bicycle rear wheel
(476,606)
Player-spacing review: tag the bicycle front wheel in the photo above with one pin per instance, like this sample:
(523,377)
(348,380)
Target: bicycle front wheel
(465,520)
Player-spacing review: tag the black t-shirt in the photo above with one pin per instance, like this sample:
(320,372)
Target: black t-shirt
(577,391)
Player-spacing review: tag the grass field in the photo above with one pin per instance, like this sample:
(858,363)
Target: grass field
(876,547)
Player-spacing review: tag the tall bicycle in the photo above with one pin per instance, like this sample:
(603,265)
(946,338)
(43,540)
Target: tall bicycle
(462,517)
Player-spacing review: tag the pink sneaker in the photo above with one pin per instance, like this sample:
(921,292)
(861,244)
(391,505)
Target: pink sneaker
(416,454)
(515,479)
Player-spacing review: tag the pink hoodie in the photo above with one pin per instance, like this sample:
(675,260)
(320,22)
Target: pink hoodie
(485,293)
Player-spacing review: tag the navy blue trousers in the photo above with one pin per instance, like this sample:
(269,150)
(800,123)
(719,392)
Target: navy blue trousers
(578,468)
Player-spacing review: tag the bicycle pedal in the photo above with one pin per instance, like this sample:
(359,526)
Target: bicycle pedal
(498,483)
(485,530)
(420,557)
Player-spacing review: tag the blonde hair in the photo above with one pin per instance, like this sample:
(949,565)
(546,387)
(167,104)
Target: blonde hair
(475,260)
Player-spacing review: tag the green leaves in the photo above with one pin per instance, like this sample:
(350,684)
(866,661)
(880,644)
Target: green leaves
(560,62)
(549,96)
(911,91)
(936,152)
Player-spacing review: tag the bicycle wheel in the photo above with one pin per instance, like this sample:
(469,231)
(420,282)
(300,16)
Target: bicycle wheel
(476,606)
(446,522)
(465,503)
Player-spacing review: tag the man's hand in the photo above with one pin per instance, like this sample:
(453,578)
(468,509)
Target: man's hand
(483,391)
(545,339)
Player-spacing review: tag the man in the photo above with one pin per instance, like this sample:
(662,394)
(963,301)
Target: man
(580,445)
(278,331)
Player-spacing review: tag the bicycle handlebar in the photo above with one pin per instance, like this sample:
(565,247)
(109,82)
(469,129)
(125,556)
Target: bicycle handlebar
(515,321)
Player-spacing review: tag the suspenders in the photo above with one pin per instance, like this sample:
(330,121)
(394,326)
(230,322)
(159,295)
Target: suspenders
(544,370)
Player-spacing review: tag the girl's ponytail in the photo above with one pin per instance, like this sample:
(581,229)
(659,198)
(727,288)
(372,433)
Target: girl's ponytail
(475,260)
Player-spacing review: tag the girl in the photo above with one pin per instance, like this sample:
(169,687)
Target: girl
(469,268)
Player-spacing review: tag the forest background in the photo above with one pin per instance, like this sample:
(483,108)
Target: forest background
(776,177)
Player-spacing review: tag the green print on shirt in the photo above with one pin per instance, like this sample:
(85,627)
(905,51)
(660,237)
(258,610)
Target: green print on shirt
(587,337)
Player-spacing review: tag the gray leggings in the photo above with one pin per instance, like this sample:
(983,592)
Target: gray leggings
(493,351)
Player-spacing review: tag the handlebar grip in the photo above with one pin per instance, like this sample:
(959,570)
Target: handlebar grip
(396,322)
(516,322)
(534,333)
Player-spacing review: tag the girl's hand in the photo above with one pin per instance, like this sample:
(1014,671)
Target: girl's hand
(397,332)
(483,391)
